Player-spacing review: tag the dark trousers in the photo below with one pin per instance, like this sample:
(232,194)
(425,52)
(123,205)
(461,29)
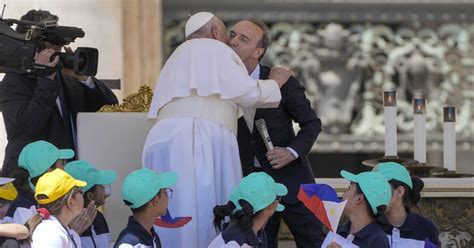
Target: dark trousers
(306,229)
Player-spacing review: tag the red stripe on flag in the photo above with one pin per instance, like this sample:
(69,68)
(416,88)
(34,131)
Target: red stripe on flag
(177,224)
(316,206)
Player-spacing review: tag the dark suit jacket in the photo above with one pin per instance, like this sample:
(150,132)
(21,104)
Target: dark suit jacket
(293,107)
(30,111)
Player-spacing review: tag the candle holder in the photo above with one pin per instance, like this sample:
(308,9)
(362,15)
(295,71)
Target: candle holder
(419,106)
(424,170)
(414,167)
(390,98)
(404,161)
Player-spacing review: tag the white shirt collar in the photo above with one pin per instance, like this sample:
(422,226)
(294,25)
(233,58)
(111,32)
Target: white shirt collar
(256,73)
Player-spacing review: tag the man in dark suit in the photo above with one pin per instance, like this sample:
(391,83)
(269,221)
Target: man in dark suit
(45,107)
(287,163)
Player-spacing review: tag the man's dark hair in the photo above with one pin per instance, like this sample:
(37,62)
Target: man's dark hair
(265,40)
(36,16)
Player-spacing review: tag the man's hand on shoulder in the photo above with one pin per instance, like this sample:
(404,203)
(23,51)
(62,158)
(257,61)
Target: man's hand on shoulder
(280,75)
(279,157)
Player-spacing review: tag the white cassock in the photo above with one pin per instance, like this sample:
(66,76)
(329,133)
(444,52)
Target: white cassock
(197,102)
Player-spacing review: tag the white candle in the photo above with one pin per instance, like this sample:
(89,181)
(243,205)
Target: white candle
(419,137)
(449,138)
(390,114)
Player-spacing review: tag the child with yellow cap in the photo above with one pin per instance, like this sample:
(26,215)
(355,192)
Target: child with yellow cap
(60,200)
(8,193)
(98,234)
(10,232)
(251,204)
(146,193)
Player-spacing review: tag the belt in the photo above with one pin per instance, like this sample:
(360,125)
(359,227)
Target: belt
(211,108)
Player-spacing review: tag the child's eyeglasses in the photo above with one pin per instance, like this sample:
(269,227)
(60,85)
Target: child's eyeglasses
(169,192)
(79,191)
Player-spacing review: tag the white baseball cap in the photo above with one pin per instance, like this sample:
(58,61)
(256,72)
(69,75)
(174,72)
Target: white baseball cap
(197,21)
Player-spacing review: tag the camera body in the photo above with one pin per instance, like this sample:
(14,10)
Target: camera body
(17,51)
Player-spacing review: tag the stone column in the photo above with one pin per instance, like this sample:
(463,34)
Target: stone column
(142,43)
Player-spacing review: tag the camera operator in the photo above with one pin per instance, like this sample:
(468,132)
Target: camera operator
(45,106)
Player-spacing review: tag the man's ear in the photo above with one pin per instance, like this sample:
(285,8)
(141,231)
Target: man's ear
(214,31)
(258,52)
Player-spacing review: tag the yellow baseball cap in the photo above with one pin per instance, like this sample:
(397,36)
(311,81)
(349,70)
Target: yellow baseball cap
(54,185)
(8,192)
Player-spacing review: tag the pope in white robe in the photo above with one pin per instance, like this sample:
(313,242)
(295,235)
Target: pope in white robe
(197,102)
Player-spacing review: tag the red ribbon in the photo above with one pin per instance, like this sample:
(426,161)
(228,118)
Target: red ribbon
(44,213)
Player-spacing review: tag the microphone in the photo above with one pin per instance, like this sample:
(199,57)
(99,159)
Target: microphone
(262,129)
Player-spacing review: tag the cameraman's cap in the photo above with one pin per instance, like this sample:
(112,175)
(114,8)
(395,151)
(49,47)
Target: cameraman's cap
(84,171)
(395,171)
(260,190)
(39,156)
(142,185)
(197,21)
(54,185)
(374,185)
(7,190)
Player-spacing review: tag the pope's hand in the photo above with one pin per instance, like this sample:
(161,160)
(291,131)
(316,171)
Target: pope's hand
(280,75)
(279,157)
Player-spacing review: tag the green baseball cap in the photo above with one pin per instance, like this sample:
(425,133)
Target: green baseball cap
(84,171)
(39,156)
(260,190)
(234,196)
(142,185)
(396,171)
(374,185)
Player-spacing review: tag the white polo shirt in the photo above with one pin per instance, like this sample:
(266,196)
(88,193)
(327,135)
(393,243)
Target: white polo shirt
(51,233)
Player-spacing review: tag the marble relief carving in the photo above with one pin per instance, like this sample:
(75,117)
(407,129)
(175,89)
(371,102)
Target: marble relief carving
(346,67)
(453,218)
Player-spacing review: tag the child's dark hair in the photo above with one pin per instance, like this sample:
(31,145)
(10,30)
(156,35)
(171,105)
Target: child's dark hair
(244,216)
(22,178)
(411,196)
(136,210)
(220,212)
(379,217)
(21,182)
